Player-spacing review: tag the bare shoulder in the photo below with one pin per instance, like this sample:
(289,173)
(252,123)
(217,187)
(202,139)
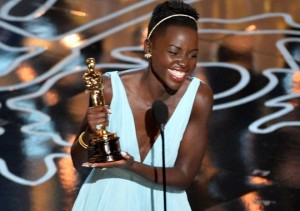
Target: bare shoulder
(130,74)
(131,79)
(204,99)
(205,91)
(128,77)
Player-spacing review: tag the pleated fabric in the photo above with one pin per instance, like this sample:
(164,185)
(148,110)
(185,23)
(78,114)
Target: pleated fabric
(117,189)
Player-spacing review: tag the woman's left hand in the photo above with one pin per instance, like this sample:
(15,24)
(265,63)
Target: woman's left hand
(124,163)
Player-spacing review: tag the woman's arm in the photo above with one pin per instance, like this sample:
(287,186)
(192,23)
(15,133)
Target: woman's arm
(78,153)
(94,115)
(192,147)
(191,151)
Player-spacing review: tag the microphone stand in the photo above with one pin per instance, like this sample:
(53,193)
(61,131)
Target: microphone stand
(162,127)
(160,112)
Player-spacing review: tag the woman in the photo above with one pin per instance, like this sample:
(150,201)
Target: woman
(135,183)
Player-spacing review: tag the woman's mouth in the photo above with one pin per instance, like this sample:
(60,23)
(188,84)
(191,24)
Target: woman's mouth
(177,74)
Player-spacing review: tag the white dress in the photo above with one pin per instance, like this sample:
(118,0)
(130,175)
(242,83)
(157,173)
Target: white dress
(117,189)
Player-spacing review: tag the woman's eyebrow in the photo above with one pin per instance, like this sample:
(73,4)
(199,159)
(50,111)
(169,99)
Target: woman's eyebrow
(195,49)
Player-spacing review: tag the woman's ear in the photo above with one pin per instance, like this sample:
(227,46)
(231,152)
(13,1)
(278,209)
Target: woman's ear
(147,47)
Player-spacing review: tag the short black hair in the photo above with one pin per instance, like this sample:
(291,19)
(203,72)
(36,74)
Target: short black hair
(169,8)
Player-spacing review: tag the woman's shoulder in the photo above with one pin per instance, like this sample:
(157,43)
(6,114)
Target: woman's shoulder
(204,88)
(123,75)
(131,73)
(128,78)
(204,96)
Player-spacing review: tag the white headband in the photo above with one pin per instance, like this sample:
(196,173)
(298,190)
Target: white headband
(171,16)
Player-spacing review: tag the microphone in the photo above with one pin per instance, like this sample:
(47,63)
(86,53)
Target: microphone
(160,112)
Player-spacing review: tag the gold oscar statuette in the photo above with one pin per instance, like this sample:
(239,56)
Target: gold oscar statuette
(104,146)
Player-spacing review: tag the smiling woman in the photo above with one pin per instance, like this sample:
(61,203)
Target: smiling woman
(140,180)
(248,52)
(175,52)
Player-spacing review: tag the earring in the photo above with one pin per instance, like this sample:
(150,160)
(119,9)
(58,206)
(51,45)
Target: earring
(147,55)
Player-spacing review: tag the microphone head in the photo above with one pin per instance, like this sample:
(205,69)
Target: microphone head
(160,112)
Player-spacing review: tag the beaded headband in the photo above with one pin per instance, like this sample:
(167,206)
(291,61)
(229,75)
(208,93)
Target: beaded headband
(171,16)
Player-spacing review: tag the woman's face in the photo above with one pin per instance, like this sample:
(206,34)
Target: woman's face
(174,55)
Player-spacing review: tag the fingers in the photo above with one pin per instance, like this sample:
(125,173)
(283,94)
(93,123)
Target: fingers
(119,163)
(91,165)
(125,155)
(129,159)
(98,115)
(107,109)
(124,163)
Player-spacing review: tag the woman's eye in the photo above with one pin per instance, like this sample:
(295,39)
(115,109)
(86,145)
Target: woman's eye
(173,53)
(194,55)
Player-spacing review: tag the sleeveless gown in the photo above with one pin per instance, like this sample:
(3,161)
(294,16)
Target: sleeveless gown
(117,189)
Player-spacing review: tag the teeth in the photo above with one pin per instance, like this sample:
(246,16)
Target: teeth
(176,73)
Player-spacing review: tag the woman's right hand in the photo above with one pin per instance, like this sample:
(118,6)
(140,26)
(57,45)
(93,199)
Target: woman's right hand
(97,115)
(126,162)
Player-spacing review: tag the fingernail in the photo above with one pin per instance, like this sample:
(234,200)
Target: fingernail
(124,153)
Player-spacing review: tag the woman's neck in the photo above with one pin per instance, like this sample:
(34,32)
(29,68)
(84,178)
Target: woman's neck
(154,88)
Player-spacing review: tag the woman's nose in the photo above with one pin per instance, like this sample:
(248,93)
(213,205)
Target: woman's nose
(182,62)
